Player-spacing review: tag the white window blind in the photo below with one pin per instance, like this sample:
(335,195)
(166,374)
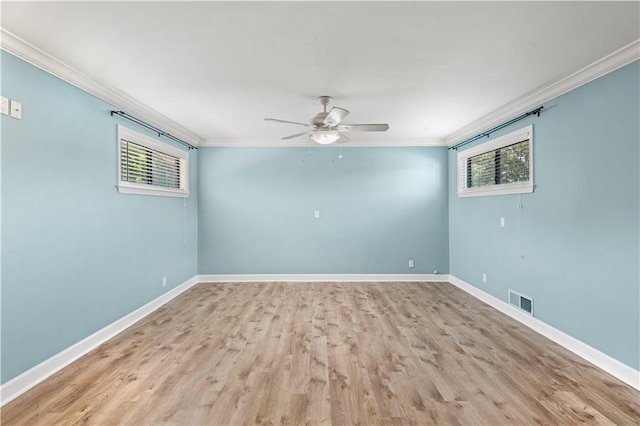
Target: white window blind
(500,166)
(150,167)
(147,166)
(508,164)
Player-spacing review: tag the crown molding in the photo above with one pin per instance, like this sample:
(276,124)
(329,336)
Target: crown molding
(33,55)
(301,143)
(609,63)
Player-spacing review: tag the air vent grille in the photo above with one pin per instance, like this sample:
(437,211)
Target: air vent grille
(520,301)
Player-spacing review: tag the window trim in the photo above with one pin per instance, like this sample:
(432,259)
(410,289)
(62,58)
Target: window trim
(125,187)
(526,133)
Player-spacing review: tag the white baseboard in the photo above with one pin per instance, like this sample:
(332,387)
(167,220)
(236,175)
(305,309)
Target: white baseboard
(20,384)
(601,360)
(257,278)
(25,381)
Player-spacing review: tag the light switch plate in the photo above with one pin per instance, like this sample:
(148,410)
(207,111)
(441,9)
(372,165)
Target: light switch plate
(316,214)
(4,105)
(16,109)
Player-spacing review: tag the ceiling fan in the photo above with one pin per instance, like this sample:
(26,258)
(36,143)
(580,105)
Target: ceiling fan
(326,127)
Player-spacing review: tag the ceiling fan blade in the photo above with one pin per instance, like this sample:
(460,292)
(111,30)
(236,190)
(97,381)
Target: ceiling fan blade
(335,116)
(295,136)
(286,121)
(364,127)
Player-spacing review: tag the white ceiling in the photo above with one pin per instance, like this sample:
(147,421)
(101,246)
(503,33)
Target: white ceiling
(426,68)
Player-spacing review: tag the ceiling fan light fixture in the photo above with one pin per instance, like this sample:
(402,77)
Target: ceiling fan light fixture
(325,137)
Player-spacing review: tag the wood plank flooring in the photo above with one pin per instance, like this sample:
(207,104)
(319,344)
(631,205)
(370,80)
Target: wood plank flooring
(327,353)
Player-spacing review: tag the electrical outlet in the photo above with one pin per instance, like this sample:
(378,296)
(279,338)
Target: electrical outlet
(410,263)
(316,214)
(4,105)
(164,281)
(16,109)
(484,278)
(502,222)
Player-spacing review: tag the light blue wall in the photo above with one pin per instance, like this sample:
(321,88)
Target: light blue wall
(76,254)
(579,231)
(379,207)
(73,259)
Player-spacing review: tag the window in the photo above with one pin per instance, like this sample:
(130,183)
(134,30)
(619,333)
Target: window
(150,167)
(501,166)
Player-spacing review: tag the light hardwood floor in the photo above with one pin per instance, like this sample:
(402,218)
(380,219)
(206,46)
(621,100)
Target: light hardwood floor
(327,353)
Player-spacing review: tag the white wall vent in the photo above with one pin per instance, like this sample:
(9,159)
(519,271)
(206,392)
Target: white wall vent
(520,301)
